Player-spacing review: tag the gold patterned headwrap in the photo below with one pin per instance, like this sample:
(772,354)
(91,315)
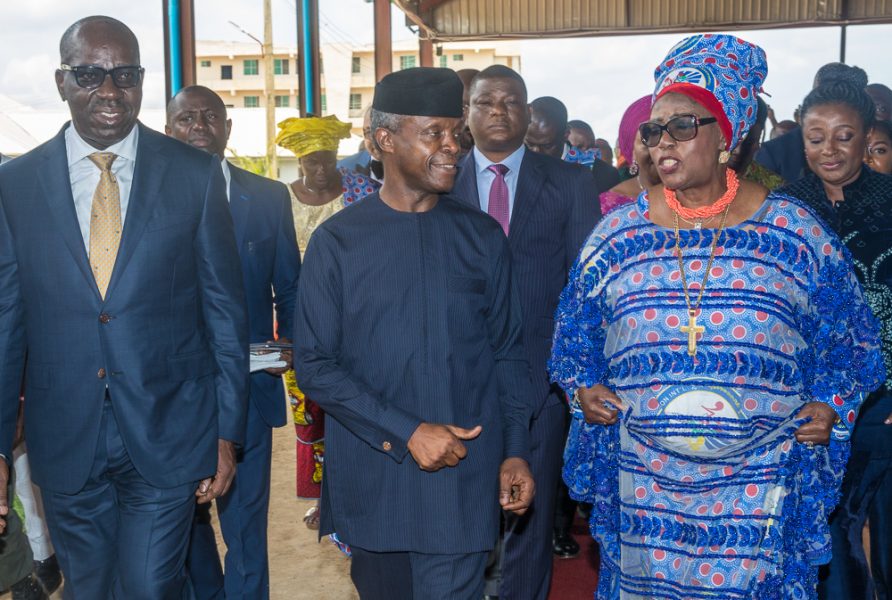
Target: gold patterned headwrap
(312,134)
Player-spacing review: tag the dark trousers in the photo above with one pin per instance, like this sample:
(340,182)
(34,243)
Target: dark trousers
(120,537)
(16,560)
(564,505)
(526,556)
(866,492)
(415,576)
(243,514)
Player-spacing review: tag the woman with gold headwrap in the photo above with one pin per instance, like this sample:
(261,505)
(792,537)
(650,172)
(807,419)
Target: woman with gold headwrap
(318,193)
(316,196)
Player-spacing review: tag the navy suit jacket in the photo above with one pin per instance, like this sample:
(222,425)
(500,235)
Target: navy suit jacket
(785,155)
(555,209)
(267,245)
(169,342)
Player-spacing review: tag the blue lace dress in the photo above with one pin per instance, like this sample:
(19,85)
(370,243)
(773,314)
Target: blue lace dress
(701,490)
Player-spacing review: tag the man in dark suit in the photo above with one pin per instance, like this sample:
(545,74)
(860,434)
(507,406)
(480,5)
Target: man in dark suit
(407,333)
(552,207)
(264,231)
(549,133)
(120,276)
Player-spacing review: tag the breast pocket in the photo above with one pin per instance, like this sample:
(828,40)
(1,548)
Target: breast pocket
(259,247)
(470,285)
(467,307)
(168,220)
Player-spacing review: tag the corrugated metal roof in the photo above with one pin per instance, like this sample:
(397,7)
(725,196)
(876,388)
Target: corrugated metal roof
(446,20)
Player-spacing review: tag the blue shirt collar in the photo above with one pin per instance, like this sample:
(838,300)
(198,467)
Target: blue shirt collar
(512,161)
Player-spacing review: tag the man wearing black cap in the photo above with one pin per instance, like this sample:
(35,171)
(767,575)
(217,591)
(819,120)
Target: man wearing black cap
(409,336)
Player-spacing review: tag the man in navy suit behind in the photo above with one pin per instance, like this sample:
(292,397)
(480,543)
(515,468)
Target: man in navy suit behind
(264,231)
(120,277)
(552,207)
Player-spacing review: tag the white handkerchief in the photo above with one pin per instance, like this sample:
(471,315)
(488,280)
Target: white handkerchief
(269,360)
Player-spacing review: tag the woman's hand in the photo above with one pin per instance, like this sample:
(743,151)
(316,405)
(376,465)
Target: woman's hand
(816,431)
(599,404)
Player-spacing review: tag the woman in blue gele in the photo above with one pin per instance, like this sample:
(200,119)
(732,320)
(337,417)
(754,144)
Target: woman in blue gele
(717,345)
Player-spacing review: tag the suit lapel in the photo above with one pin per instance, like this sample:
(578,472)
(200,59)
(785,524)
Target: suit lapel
(148,174)
(57,193)
(239,204)
(465,188)
(526,195)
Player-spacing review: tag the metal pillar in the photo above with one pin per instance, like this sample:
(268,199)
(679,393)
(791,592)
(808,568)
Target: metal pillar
(426,52)
(842,44)
(309,89)
(179,45)
(383,40)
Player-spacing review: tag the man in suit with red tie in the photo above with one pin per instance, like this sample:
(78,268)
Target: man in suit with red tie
(547,208)
(264,231)
(119,275)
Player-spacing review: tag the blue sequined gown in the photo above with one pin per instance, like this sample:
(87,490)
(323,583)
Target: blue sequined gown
(701,490)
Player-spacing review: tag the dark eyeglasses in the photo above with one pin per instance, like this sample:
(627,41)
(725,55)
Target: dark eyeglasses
(91,76)
(680,129)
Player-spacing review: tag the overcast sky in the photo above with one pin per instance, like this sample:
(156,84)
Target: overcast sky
(596,77)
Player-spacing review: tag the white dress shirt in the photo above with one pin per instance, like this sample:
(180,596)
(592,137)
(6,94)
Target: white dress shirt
(485,177)
(84,174)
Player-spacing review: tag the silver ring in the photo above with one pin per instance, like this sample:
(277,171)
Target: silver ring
(809,445)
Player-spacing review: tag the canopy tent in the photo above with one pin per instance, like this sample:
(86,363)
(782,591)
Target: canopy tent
(451,20)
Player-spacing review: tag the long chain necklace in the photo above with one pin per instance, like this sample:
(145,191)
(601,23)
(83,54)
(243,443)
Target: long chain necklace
(696,223)
(692,329)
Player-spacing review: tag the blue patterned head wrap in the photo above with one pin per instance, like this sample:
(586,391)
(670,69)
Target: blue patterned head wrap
(723,73)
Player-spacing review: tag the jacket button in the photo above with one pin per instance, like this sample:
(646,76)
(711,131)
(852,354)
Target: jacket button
(100,373)
(386,446)
(104,318)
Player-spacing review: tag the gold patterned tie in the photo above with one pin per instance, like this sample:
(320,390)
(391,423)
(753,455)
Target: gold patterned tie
(105,221)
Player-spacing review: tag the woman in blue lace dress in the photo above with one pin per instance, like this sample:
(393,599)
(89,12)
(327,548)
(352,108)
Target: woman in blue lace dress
(717,345)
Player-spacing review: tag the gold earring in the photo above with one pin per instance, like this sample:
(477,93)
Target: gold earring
(724,156)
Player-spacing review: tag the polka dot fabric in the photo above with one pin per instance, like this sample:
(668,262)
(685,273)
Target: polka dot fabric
(701,490)
(356,186)
(578,156)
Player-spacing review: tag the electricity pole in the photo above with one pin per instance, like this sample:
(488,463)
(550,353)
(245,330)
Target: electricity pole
(269,89)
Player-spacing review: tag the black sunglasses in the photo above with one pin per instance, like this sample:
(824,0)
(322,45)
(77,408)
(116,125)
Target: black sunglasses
(91,76)
(680,129)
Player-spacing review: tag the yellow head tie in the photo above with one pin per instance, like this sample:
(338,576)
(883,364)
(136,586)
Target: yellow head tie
(312,134)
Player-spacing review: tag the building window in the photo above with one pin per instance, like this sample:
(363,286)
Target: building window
(252,101)
(458,57)
(357,65)
(443,61)
(205,63)
(355,101)
(226,72)
(407,62)
(252,66)
(283,101)
(324,104)
(280,66)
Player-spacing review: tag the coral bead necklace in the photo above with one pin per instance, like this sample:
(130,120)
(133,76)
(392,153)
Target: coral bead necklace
(697,216)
